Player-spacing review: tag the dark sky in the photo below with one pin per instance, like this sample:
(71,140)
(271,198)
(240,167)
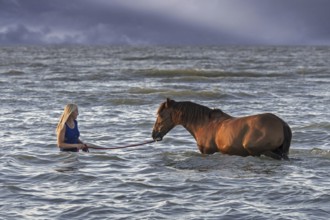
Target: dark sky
(165,22)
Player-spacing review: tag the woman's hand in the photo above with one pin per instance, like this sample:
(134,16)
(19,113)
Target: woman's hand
(80,146)
(83,147)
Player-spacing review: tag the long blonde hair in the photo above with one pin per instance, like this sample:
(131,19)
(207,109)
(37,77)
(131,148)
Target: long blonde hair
(68,109)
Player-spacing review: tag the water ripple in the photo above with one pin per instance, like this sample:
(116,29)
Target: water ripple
(118,90)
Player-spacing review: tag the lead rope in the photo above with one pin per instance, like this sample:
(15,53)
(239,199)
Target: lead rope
(127,146)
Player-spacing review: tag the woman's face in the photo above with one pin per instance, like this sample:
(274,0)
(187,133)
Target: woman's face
(75,114)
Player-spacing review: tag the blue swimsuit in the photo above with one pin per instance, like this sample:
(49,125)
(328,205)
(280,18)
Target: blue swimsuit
(71,137)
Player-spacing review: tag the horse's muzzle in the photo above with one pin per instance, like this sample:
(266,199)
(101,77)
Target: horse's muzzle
(157,136)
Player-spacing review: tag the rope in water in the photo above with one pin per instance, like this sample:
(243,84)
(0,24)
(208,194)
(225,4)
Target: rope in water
(127,146)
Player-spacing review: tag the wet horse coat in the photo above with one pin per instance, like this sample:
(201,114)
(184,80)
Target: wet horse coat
(216,131)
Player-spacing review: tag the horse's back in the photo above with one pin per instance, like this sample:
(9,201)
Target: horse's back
(253,134)
(264,129)
(264,122)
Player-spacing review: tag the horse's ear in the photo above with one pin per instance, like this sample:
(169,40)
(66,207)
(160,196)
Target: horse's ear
(215,113)
(169,102)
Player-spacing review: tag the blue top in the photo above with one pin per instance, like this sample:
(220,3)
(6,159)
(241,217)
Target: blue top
(71,136)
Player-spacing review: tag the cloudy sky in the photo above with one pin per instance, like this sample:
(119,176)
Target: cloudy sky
(165,22)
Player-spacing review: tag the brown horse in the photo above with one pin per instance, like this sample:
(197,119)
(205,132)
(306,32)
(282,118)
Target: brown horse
(216,131)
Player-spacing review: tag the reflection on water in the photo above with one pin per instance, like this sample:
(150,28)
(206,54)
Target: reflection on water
(70,162)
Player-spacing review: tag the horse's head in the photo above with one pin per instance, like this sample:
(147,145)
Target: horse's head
(164,122)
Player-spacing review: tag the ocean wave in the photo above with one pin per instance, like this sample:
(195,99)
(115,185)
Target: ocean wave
(201,73)
(189,160)
(188,93)
(38,65)
(13,73)
(325,126)
(141,58)
(164,58)
(320,152)
(193,93)
(143,90)
(127,101)
(178,93)
(193,160)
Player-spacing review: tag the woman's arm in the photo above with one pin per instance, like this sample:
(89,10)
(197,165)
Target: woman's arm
(62,144)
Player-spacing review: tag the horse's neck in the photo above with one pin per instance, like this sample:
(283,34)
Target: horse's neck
(195,126)
(203,124)
(192,128)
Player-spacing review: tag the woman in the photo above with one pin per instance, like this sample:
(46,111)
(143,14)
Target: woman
(67,131)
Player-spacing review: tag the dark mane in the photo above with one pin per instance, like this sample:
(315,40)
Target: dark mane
(190,111)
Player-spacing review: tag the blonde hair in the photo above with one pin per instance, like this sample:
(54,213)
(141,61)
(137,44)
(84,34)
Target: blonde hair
(68,109)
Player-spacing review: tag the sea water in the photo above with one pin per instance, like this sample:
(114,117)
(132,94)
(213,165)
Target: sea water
(118,90)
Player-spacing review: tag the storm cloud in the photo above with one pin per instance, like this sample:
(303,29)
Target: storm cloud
(167,22)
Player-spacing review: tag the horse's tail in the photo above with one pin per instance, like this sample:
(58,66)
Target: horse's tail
(287,141)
